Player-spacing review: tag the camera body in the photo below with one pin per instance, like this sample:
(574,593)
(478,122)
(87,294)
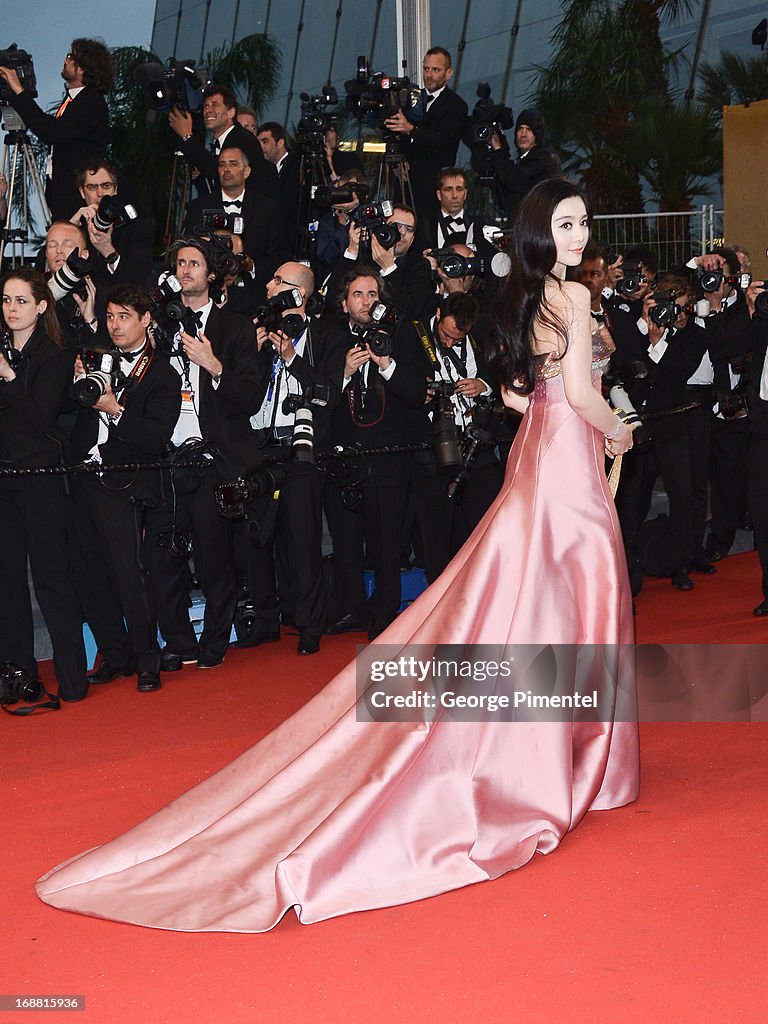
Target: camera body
(170,315)
(314,122)
(385,321)
(112,212)
(372,97)
(178,83)
(453,265)
(270,315)
(218,220)
(21,62)
(633,280)
(102,373)
(17,684)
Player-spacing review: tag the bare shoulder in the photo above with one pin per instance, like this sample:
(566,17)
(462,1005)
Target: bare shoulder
(576,295)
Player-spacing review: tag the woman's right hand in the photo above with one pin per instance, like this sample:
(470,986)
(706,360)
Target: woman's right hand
(6,373)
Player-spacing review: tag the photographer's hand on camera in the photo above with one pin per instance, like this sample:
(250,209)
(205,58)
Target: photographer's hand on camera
(471,387)
(755,288)
(399,123)
(87,306)
(283,345)
(710,261)
(108,404)
(12,79)
(200,352)
(180,121)
(655,331)
(384,258)
(355,358)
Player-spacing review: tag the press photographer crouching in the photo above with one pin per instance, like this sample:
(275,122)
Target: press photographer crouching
(669,346)
(300,361)
(35,375)
(455,483)
(129,399)
(221,381)
(383,391)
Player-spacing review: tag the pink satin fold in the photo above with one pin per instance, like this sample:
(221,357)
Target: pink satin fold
(331,815)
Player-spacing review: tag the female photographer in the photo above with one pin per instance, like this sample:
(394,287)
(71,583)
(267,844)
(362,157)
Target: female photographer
(35,374)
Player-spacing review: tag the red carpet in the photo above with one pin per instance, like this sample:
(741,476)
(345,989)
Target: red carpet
(655,912)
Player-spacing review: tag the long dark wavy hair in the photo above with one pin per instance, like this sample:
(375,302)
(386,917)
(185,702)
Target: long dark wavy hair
(522,304)
(40,293)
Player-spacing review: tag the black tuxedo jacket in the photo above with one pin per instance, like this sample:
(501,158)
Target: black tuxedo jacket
(663,389)
(263,233)
(30,404)
(262,179)
(140,435)
(322,363)
(288,196)
(434,143)
(225,412)
(427,237)
(392,407)
(80,133)
(133,241)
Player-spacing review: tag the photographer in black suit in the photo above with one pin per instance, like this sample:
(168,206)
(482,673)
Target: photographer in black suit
(121,254)
(284,562)
(219,118)
(536,160)
(432,139)
(221,383)
(131,422)
(79,130)
(262,230)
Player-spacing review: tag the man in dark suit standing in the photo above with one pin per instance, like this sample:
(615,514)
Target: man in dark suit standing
(271,136)
(131,422)
(221,387)
(219,117)
(451,224)
(432,139)
(79,129)
(258,217)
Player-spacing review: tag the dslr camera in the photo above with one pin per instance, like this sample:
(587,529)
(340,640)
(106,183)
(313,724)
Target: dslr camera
(112,212)
(178,83)
(270,315)
(20,62)
(385,321)
(633,279)
(70,277)
(102,373)
(170,316)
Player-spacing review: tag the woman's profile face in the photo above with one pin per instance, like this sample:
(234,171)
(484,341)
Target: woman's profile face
(20,310)
(570,232)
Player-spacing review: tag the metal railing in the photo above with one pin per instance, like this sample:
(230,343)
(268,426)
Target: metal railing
(676,237)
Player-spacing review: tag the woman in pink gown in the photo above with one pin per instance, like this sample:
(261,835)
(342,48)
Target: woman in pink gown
(331,813)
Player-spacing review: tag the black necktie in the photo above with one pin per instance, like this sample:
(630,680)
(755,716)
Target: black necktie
(428,97)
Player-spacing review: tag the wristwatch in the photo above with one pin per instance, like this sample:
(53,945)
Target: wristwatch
(112,258)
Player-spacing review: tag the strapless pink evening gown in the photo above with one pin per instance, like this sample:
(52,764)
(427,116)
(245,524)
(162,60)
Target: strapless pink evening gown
(330,815)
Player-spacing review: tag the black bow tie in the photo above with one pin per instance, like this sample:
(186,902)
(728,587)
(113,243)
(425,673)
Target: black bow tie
(600,317)
(132,356)
(428,97)
(458,221)
(233,202)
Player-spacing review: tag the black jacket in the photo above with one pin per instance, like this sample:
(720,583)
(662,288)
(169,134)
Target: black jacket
(433,145)
(262,179)
(517,177)
(141,434)
(263,232)
(30,404)
(82,132)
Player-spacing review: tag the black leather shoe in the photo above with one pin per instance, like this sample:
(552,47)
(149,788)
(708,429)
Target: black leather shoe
(72,699)
(106,672)
(716,556)
(703,566)
(148,681)
(348,624)
(762,608)
(378,624)
(308,644)
(681,580)
(209,659)
(170,662)
(258,636)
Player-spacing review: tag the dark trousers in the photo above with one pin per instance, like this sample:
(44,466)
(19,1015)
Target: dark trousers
(111,577)
(285,572)
(371,534)
(33,525)
(729,472)
(758,500)
(211,537)
(669,459)
(698,424)
(444,522)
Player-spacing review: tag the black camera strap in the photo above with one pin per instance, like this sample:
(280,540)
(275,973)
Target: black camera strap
(53,703)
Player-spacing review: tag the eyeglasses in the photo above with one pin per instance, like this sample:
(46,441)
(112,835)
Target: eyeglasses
(404,229)
(96,186)
(281,280)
